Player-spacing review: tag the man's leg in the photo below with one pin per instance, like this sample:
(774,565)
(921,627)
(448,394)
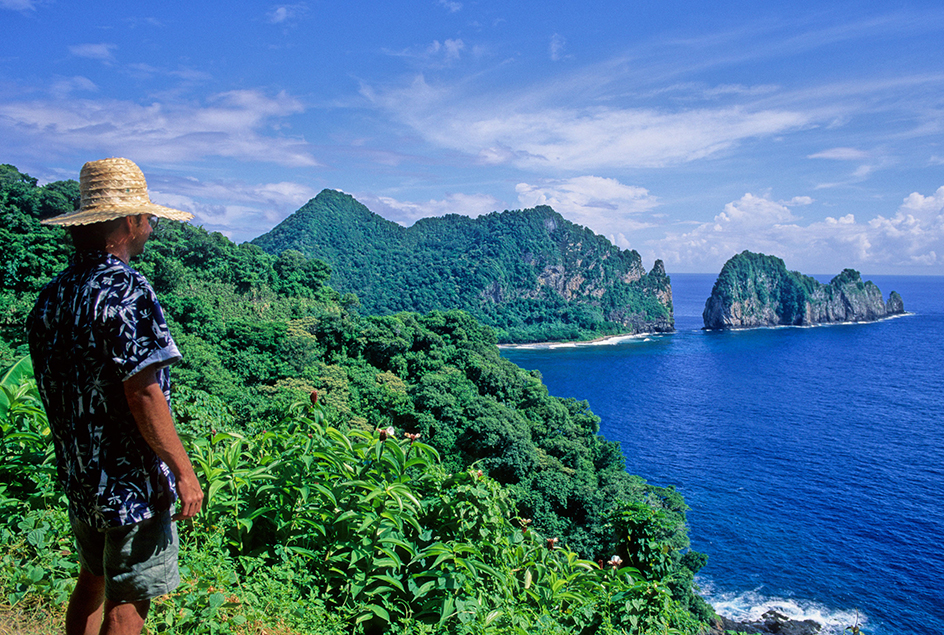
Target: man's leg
(84,615)
(126,618)
(140,564)
(135,561)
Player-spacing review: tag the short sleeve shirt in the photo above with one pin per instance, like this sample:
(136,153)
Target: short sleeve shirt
(95,325)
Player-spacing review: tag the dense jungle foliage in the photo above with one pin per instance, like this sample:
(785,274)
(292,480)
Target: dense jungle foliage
(499,511)
(529,274)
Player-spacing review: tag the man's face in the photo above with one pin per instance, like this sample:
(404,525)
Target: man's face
(141,230)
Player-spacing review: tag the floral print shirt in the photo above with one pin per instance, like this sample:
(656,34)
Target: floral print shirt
(95,325)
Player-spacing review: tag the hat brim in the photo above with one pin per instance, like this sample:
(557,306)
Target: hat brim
(106,213)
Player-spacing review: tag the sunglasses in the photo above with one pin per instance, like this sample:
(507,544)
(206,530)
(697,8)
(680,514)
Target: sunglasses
(153,221)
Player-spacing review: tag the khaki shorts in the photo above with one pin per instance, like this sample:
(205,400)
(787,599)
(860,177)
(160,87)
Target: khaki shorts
(139,561)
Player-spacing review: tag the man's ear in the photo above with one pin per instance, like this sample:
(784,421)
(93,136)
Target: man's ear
(136,222)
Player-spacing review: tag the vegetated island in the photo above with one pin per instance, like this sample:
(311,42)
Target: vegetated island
(755,290)
(531,275)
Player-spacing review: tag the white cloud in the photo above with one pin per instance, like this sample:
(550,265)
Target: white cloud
(237,209)
(556,47)
(285,194)
(606,206)
(19,5)
(451,6)
(450,49)
(725,90)
(435,55)
(502,129)
(799,200)
(102,52)
(408,212)
(286,13)
(841,154)
(235,124)
(863,171)
(911,238)
(64,86)
(753,211)
(925,206)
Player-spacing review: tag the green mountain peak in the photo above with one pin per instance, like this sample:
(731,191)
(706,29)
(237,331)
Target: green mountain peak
(530,274)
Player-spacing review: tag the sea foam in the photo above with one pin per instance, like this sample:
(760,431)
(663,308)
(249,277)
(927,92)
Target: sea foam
(750,606)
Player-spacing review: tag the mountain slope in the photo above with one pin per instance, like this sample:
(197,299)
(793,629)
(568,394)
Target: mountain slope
(530,274)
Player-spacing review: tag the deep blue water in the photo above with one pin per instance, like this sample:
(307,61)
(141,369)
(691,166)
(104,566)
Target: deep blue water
(812,458)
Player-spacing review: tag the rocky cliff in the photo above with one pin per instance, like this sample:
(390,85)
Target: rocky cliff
(757,290)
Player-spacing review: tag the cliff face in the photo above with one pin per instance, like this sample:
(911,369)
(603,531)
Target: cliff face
(757,290)
(531,274)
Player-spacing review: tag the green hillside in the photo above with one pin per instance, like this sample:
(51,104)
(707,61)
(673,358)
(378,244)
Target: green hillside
(491,522)
(529,274)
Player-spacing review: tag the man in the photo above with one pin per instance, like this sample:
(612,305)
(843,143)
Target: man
(101,349)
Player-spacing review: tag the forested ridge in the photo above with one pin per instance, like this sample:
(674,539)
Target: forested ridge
(369,472)
(530,274)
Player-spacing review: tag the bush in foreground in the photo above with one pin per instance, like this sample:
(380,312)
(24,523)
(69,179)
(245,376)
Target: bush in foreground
(308,529)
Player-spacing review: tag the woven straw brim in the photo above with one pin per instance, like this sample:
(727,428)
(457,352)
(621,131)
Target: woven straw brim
(110,189)
(89,216)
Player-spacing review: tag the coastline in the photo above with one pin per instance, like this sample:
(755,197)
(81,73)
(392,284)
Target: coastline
(807,326)
(607,340)
(611,340)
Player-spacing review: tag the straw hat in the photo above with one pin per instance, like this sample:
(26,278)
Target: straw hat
(113,188)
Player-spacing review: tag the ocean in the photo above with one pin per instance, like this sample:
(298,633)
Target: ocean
(812,458)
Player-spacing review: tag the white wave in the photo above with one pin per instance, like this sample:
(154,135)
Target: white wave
(750,606)
(815,325)
(616,339)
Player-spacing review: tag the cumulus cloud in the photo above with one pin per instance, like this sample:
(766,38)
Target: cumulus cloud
(528,135)
(604,205)
(408,212)
(237,209)
(753,211)
(235,124)
(911,237)
(102,52)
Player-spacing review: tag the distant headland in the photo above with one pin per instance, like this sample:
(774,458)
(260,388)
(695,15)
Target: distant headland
(755,290)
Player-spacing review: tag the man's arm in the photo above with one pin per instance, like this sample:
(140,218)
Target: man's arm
(150,411)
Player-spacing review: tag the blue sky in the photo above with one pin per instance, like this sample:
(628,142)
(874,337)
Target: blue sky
(688,131)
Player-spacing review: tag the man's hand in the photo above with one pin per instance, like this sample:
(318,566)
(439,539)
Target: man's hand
(190,496)
(151,413)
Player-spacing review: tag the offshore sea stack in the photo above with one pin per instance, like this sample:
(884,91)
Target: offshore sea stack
(756,290)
